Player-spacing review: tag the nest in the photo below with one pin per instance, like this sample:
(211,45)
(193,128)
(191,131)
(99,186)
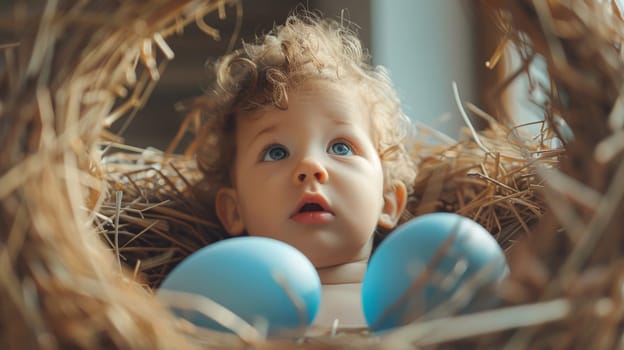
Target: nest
(86,233)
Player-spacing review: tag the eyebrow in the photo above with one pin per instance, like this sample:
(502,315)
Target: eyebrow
(340,121)
(263,131)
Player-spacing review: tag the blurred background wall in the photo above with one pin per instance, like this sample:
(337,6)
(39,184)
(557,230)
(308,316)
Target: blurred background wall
(425,45)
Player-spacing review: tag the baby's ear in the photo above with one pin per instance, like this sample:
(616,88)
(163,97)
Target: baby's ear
(395,200)
(226,206)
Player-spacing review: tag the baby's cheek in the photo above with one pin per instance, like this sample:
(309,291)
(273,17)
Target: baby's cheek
(257,224)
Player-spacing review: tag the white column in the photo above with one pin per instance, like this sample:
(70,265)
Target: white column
(427,44)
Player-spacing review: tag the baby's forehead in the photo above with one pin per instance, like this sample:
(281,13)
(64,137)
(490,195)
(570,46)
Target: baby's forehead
(338,100)
(340,94)
(344,106)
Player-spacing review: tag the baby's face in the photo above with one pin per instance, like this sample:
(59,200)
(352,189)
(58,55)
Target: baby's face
(310,175)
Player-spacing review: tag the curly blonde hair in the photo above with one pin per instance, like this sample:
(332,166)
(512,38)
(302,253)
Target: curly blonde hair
(262,74)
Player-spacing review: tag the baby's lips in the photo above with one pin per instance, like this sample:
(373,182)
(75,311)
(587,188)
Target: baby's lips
(312,217)
(312,199)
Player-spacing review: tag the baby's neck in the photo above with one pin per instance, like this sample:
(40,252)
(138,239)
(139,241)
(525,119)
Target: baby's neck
(341,302)
(352,272)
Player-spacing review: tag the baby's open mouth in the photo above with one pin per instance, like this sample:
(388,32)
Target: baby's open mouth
(313,210)
(311,207)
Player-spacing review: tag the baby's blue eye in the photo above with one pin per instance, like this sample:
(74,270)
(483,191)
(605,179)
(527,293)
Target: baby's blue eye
(274,152)
(341,149)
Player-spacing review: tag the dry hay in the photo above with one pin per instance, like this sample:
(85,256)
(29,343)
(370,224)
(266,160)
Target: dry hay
(70,68)
(83,238)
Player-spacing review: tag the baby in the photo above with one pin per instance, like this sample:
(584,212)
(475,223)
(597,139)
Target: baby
(304,144)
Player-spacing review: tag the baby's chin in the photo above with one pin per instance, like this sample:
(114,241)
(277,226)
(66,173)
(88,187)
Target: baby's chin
(332,258)
(346,273)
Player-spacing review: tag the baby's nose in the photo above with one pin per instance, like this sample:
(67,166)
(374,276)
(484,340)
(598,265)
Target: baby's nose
(310,169)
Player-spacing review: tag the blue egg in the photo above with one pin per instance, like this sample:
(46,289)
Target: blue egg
(265,282)
(457,251)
